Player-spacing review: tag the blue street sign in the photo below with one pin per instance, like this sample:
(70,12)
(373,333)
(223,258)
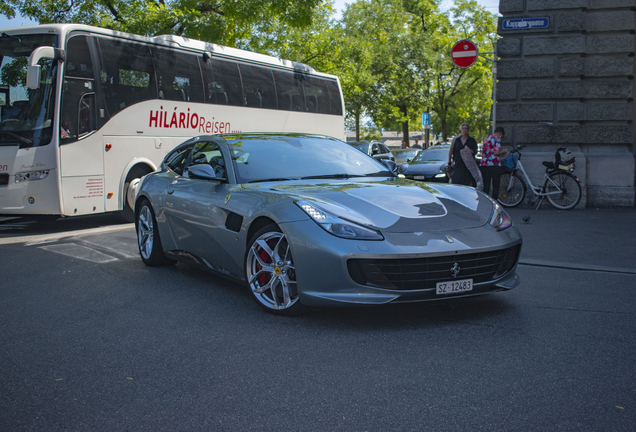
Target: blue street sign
(426,120)
(525,23)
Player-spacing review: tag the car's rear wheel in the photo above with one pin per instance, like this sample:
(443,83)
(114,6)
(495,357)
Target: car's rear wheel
(148,238)
(270,272)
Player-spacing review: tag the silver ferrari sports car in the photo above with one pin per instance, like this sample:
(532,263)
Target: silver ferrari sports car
(307,220)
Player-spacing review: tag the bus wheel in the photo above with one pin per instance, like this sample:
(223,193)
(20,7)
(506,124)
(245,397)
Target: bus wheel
(127,215)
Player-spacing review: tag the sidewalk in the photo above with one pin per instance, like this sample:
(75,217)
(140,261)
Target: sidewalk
(578,238)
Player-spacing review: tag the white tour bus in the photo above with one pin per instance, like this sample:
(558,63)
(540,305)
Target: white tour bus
(84,110)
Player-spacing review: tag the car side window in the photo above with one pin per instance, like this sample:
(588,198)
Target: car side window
(176,162)
(206,152)
(375,149)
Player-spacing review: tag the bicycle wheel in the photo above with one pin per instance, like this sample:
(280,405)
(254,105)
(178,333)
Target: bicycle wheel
(563,190)
(512,190)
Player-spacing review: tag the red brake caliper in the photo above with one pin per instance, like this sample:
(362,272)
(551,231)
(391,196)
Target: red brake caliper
(263,278)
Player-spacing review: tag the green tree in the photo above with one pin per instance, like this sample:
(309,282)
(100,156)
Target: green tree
(227,22)
(460,95)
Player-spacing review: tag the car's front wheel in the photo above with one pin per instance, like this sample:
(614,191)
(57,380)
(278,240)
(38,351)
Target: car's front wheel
(148,238)
(270,272)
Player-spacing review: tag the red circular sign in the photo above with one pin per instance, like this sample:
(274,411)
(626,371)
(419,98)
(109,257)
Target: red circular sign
(464,53)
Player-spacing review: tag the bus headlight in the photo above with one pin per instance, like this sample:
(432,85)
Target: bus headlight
(31,175)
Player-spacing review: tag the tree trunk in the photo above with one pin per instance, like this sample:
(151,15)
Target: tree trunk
(444,131)
(357,126)
(405,126)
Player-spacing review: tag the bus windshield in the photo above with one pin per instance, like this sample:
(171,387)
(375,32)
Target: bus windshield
(26,116)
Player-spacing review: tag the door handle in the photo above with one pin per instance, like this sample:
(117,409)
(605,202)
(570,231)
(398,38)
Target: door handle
(170,191)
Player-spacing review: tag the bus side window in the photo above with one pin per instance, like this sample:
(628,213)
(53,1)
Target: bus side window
(86,115)
(78,88)
(178,75)
(258,87)
(316,94)
(127,73)
(335,103)
(290,91)
(223,82)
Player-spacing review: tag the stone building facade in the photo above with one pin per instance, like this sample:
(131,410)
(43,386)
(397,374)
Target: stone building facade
(572,85)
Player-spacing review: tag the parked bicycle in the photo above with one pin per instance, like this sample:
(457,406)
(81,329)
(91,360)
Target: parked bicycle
(560,186)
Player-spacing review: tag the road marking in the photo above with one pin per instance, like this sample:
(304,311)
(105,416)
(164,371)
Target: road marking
(57,236)
(570,266)
(75,250)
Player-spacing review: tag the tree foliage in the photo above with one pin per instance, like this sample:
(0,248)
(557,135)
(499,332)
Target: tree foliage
(227,22)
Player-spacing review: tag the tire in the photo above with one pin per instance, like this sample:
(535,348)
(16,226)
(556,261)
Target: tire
(512,190)
(148,239)
(270,272)
(570,190)
(127,214)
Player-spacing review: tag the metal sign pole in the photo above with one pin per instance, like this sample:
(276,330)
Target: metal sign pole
(494,84)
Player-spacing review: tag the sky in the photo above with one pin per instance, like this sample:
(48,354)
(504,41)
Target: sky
(490,5)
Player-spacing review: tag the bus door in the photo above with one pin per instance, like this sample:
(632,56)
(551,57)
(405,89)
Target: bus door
(81,154)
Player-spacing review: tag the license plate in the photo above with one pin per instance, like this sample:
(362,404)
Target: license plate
(419,178)
(453,287)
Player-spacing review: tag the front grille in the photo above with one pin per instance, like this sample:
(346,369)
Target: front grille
(424,273)
(4,179)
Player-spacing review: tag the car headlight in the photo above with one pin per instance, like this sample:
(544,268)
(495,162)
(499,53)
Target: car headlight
(500,219)
(338,226)
(31,175)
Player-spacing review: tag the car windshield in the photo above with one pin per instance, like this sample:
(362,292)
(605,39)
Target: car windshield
(432,155)
(407,154)
(294,157)
(26,116)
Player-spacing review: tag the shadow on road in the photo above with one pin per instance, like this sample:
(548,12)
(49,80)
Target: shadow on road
(29,225)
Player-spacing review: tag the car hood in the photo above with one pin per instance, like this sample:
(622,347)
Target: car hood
(396,205)
(429,167)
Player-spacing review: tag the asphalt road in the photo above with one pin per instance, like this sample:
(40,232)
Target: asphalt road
(93,340)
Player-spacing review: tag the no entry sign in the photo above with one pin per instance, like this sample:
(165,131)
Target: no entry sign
(464,53)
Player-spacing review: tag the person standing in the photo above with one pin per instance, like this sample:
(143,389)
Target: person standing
(416,145)
(461,175)
(490,165)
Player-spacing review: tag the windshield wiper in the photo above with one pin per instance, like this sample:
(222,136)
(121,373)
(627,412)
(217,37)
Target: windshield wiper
(329,176)
(16,136)
(273,180)
(381,174)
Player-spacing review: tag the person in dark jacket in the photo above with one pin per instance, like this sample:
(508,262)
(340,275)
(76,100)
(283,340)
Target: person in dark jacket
(461,175)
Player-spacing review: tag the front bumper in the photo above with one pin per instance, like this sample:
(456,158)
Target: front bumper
(325,278)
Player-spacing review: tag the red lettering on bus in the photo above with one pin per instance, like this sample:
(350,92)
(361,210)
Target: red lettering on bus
(153,118)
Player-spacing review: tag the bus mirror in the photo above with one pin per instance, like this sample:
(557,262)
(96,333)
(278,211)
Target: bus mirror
(33,76)
(33,69)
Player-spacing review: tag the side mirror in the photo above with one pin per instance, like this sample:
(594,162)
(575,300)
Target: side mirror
(33,68)
(390,164)
(202,171)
